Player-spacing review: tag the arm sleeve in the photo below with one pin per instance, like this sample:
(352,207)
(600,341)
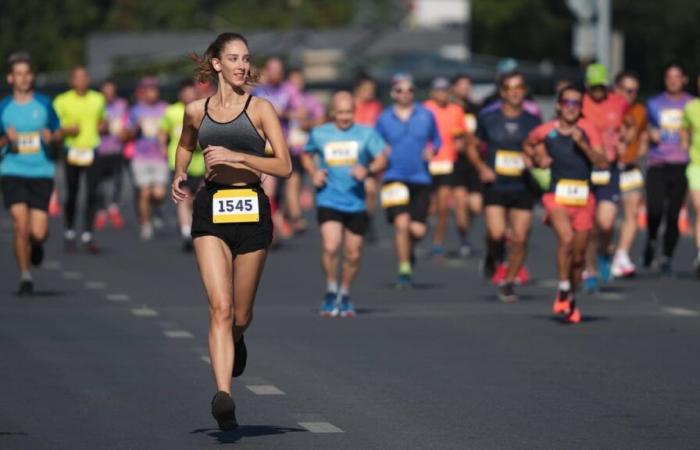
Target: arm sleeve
(375,144)
(312,144)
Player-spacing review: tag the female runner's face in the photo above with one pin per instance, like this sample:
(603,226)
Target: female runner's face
(234,63)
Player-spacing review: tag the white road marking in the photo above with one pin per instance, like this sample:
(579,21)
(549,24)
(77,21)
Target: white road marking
(95,285)
(265,389)
(682,312)
(549,283)
(144,311)
(72,275)
(178,334)
(52,265)
(610,296)
(206,359)
(118,297)
(320,427)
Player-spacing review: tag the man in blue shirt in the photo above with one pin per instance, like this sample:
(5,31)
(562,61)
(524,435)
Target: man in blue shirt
(29,132)
(412,134)
(339,156)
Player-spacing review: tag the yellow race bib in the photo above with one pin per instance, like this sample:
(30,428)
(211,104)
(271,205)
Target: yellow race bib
(600,177)
(671,119)
(81,157)
(631,180)
(28,143)
(341,153)
(440,167)
(571,192)
(235,206)
(150,127)
(509,163)
(394,194)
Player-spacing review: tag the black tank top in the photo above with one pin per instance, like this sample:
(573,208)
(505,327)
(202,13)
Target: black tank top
(238,134)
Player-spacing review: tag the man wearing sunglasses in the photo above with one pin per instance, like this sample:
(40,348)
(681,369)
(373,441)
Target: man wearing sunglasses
(606,110)
(634,139)
(571,147)
(508,199)
(412,134)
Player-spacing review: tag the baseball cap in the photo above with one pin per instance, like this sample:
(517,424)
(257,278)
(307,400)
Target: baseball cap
(596,75)
(440,83)
(399,77)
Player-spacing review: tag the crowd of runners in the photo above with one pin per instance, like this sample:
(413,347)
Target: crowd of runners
(245,154)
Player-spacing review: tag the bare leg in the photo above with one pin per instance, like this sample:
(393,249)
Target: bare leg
(247,270)
(520,222)
(215,263)
(565,234)
(352,250)
(20,220)
(144,205)
(461,197)
(331,236)
(402,237)
(631,203)
(442,198)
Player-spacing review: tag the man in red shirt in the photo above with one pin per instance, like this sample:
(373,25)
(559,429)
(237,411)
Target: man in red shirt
(450,122)
(606,110)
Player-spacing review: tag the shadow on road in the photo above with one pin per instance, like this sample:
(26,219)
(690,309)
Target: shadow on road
(561,321)
(245,431)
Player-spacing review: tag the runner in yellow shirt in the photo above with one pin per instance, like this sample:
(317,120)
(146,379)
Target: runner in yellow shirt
(81,111)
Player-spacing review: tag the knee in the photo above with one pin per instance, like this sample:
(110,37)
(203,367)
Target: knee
(243,318)
(518,240)
(418,230)
(495,235)
(352,255)
(566,241)
(39,236)
(578,259)
(222,313)
(331,248)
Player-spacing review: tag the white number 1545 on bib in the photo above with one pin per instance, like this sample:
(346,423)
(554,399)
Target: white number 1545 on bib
(235,206)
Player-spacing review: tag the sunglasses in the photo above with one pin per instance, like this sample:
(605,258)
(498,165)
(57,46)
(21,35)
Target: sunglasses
(570,103)
(630,91)
(403,91)
(516,87)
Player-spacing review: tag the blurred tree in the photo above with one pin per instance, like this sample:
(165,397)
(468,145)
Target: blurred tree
(522,29)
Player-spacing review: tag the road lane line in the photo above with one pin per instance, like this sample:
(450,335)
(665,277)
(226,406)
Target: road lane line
(265,389)
(72,275)
(118,297)
(95,285)
(320,427)
(144,311)
(681,312)
(178,334)
(52,265)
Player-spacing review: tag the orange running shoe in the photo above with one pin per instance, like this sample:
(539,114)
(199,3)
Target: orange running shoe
(642,218)
(54,204)
(523,276)
(562,303)
(575,316)
(115,216)
(683,223)
(100,220)
(500,274)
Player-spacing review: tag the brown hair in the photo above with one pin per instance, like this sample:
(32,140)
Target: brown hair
(19,58)
(205,70)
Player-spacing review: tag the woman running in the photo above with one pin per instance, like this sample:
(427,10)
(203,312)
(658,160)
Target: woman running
(231,223)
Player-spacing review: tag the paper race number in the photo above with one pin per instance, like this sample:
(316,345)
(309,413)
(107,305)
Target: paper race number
(571,192)
(509,163)
(235,206)
(395,194)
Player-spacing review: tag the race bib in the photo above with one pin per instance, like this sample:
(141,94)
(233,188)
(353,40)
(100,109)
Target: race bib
(235,206)
(80,156)
(509,163)
(341,153)
(116,125)
(571,192)
(394,194)
(631,180)
(671,119)
(441,167)
(28,142)
(150,126)
(600,177)
(298,137)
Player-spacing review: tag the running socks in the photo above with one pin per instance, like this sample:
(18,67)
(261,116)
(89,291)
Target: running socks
(332,286)
(25,276)
(564,285)
(405,268)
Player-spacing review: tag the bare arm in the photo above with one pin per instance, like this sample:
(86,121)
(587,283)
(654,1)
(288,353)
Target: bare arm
(185,147)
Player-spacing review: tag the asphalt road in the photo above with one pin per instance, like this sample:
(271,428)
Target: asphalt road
(111,354)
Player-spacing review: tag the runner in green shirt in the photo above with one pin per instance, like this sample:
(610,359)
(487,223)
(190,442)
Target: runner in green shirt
(81,111)
(171,128)
(691,118)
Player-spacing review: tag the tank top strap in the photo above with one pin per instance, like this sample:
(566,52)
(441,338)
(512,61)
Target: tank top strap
(206,105)
(247,102)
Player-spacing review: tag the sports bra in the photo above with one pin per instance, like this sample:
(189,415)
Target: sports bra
(238,134)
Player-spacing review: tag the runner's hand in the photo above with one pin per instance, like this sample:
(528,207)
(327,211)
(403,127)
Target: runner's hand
(72,130)
(486,175)
(11,134)
(655,135)
(428,154)
(359,172)
(178,194)
(577,135)
(544,162)
(45,135)
(319,178)
(215,154)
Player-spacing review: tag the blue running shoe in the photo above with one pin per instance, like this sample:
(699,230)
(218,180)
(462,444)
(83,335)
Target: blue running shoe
(347,309)
(405,281)
(437,251)
(590,284)
(604,272)
(329,307)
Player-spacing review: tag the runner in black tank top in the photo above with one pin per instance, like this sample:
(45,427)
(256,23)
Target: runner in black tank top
(232,226)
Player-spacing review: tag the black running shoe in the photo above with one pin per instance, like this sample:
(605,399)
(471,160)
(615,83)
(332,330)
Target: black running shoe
(240,359)
(506,293)
(37,253)
(187,245)
(488,267)
(223,409)
(26,287)
(649,253)
(91,247)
